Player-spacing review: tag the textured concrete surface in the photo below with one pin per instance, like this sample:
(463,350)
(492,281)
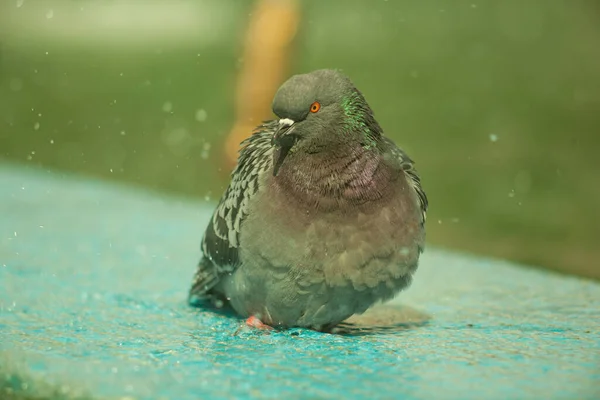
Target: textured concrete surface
(93,279)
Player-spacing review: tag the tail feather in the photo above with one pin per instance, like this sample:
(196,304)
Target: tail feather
(205,279)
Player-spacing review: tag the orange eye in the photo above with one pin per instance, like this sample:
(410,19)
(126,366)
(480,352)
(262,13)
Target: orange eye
(314,107)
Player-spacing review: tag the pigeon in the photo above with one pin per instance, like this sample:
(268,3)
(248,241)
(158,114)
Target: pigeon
(323,218)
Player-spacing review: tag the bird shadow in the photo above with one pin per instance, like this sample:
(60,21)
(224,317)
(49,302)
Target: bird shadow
(378,320)
(383,319)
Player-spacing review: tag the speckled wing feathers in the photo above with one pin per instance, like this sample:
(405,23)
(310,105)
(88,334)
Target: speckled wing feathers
(222,236)
(408,166)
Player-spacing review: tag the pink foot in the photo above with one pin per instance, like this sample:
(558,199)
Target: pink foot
(257,323)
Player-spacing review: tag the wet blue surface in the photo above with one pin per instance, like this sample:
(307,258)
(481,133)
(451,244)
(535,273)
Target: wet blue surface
(93,281)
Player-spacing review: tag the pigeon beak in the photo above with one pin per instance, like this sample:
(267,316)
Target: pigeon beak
(283,141)
(286,126)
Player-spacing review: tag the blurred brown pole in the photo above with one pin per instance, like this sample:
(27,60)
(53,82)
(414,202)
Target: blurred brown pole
(268,44)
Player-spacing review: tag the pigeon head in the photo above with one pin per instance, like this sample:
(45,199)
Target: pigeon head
(318,112)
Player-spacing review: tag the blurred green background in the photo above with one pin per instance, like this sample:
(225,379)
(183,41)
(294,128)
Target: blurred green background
(497,101)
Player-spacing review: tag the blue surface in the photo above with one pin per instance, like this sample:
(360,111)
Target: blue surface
(93,281)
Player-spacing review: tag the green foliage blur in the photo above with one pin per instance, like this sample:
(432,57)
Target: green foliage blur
(498,102)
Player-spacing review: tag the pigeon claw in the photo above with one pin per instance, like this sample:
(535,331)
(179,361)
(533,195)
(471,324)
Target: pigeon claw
(254,322)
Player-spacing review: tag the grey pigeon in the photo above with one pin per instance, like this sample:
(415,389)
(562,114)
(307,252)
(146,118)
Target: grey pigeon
(323,218)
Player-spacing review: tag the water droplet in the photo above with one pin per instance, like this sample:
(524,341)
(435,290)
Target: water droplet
(122,133)
(20,3)
(167,107)
(36,126)
(201,115)
(51,141)
(50,14)
(141,250)
(176,136)
(511,194)
(493,138)
(205,151)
